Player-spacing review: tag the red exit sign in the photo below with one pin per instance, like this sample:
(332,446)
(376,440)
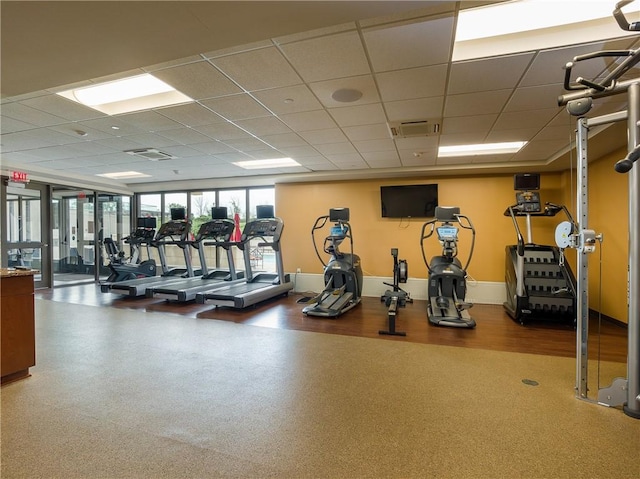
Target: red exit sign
(20,176)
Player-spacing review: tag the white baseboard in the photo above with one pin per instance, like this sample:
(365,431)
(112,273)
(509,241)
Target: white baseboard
(480,292)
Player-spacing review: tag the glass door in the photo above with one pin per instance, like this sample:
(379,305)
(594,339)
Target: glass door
(114,221)
(74,236)
(27,231)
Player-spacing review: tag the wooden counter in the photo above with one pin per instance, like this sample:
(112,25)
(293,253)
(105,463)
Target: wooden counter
(18,345)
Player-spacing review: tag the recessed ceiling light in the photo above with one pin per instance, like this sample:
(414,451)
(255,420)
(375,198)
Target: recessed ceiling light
(272,163)
(481,149)
(524,25)
(129,94)
(120,175)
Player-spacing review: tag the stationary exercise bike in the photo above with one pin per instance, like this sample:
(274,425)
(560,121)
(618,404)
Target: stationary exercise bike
(123,269)
(342,274)
(446,305)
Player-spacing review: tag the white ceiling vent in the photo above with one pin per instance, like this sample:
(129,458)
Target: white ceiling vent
(151,154)
(413,128)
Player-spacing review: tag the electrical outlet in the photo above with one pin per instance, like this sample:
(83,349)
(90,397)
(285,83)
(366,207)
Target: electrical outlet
(298,270)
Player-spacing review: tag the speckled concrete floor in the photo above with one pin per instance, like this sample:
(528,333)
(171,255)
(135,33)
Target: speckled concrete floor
(119,393)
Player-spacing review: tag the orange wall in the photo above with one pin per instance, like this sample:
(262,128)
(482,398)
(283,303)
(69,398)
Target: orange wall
(608,214)
(483,199)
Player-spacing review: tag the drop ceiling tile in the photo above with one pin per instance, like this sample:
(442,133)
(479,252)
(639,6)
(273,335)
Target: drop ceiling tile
(548,65)
(258,69)
(266,154)
(9,125)
(461,139)
(185,136)
(468,124)
(422,143)
(423,82)
(335,56)
(245,144)
(151,140)
(380,157)
(263,126)
(364,84)
(348,161)
(181,151)
(307,121)
(407,45)
(539,150)
(111,125)
(563,132)
(190,114)
(173,63)
(292,99)
(423,108)
(62,107)
(237,107)
(535,98)
(75,132)
(118,144)
(358,115)
(426,158)
(27,140)
(238,49)
(532,119)
(149,121)
(479,103)
(320,137)
(485,159)
(21,112)
(299,152)
(318,32)
(222,131)
(284,140)
(487,74)
(233,156)
(379,131)
(212,147)
(198,80)
(515,134)
(375,145)
(336,148)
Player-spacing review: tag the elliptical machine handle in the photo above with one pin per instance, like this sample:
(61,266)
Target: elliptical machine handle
(423,237)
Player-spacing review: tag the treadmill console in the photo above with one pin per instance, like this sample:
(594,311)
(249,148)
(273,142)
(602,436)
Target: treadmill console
(173,228)
(265,227)
(528,201)
(447,233)
(216,229)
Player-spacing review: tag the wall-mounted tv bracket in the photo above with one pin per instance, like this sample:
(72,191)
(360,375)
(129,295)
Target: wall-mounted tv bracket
(622,392)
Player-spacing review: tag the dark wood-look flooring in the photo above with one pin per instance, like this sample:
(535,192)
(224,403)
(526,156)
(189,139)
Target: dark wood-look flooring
(495,330)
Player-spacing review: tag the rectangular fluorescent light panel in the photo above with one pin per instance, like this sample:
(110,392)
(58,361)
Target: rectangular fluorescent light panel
(525,25)
(129,94)
(480,149)
(121,175)
(273,163)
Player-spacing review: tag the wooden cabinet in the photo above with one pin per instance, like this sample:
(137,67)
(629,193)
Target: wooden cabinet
(18,348)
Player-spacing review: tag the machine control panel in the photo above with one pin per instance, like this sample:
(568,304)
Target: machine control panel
(265,227)
(528,201)
(216,229)
(447,233)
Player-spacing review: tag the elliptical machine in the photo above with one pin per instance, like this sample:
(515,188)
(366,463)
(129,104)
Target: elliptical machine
(124,269)
(446,305)
(342,274)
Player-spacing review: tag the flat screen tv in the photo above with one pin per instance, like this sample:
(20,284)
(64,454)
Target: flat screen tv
(526,181)
(409,201)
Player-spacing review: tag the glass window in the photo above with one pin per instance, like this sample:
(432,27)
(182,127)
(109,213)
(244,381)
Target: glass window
(173,200)
(151,206)
(200,208)
(261,196)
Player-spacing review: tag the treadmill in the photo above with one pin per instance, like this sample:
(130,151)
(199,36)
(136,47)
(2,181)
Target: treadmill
(174,232)
(255,287)
(218,231)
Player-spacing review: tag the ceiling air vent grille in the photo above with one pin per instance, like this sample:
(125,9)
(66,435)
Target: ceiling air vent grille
(151,154)
(414,128)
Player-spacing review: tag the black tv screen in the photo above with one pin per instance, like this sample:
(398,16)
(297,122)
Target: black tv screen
(526,181)
(409,201)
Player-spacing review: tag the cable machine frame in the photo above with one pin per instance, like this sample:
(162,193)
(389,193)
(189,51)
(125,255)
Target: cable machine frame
(622,392)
